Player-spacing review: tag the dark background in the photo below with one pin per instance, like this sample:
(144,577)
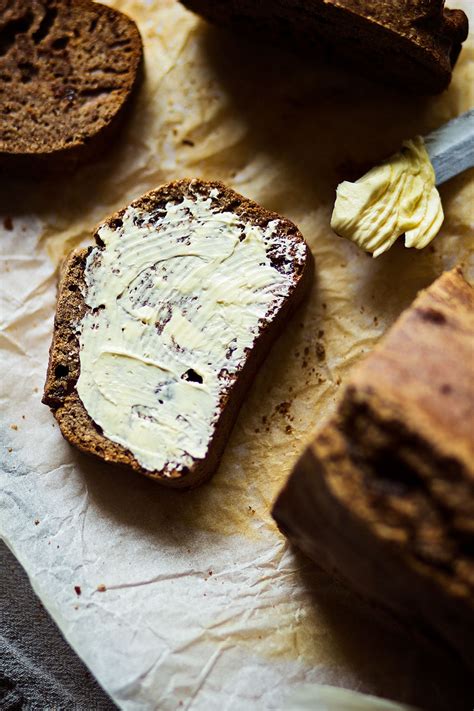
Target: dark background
(38,669)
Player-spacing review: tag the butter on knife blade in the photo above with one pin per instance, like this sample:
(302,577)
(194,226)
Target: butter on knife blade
(399,196)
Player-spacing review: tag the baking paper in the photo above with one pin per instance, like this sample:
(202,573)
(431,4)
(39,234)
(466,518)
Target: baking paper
(195,600)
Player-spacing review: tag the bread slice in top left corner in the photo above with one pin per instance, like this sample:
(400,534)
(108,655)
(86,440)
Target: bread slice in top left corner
(68,69)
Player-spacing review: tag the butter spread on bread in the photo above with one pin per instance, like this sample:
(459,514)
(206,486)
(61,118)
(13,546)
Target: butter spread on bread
(176,300)
(181,298)
(397,197)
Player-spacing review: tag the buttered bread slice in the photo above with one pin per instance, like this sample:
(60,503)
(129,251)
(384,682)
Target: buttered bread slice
(160,328)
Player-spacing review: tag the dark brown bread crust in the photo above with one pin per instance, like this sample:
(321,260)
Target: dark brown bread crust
(384,496)
(64,366)
(414,45)
(68,69)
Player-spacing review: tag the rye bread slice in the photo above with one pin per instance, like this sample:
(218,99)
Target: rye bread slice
(68,69)
(414,44)
(288,255)
(384,495)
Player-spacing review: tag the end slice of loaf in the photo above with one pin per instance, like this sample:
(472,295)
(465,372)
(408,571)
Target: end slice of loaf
(412,44)
(162,326)
(384,495)
(68,69)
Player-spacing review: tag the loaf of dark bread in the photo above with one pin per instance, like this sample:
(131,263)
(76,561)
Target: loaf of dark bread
(203,280)
(412,44)
(384,495)
(68,69)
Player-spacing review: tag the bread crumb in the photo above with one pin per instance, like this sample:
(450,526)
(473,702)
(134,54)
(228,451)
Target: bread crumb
(77,589)
(36,522)
(210,572)
(10,449)
(14,427)
(283,407)
(101,588)
(320,351)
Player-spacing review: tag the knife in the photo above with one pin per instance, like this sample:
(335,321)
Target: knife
(451,147)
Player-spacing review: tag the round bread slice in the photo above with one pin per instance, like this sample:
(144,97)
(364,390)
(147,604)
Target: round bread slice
(68,69)
(161,327)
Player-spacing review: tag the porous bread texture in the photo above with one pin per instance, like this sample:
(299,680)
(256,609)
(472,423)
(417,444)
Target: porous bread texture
(64,363)
(384,495)
(68,69)
(414,45)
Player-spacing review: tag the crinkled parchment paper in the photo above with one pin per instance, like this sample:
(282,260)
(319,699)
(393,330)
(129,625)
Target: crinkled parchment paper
(194,599)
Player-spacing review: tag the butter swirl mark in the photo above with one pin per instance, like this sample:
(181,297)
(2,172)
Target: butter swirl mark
(175,301)
(395,198)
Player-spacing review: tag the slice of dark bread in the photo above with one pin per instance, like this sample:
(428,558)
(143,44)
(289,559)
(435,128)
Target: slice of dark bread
(203,280)
(411,44)
(384,495)
(68,69)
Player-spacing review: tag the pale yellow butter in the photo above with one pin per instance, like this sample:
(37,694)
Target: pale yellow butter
(395,198)
(175,302)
